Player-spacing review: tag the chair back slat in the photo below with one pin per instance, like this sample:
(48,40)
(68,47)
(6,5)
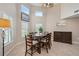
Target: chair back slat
(28,40)
(30,47)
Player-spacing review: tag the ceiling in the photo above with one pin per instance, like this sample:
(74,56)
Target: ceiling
(36,4)
(42,4)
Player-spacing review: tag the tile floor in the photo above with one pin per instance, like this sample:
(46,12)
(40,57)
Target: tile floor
(58,49)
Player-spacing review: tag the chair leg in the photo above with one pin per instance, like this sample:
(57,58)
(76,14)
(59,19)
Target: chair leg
(46,47)
(31,51)
(50,44)
(39,48)
(26,52)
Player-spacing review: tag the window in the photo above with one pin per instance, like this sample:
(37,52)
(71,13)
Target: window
(8,32)
(25,20)
(25,9)
(38,27)
(7,36)
(24,28)
(38,13)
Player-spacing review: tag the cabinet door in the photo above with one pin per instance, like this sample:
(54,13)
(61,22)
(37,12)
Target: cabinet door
(68,9)
(58,36)
(65,37)
(68,37)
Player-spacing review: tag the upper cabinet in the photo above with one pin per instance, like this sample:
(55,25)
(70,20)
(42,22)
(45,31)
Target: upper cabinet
(69,10)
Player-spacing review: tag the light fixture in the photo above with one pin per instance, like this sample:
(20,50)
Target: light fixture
(4,23)
(48,4)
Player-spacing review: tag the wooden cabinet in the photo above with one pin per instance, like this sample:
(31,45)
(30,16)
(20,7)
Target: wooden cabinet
(65,37)
(69,10)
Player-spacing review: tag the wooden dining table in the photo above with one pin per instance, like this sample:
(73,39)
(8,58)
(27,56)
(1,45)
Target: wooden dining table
(38,37)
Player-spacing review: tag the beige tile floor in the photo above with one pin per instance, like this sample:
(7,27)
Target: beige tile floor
(58,49)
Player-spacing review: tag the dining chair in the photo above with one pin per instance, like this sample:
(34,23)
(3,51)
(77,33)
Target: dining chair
(46,42)
(49,40)
(31,46)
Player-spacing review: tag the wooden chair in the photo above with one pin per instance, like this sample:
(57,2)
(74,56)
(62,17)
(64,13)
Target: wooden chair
(46,42)
(49,40)
(31,46)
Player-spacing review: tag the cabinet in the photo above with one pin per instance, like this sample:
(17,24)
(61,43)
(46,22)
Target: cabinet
(69,10)
(64,37)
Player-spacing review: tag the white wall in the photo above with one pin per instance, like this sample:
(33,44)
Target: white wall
(53,17)
(72,25)
(37,19)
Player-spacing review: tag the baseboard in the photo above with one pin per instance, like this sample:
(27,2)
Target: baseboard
(75,42)
(6,54)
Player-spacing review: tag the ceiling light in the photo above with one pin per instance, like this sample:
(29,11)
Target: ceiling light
(48,4)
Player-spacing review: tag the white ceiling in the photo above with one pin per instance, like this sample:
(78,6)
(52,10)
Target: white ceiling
(36,4)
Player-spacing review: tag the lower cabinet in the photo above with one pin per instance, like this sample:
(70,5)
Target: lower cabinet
(64,37)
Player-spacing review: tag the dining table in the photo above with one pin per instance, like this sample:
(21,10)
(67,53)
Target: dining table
(38,37)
